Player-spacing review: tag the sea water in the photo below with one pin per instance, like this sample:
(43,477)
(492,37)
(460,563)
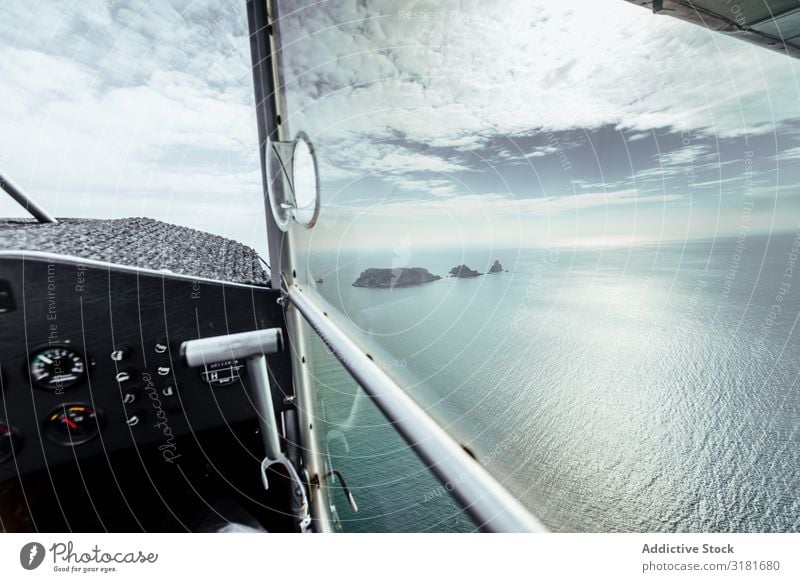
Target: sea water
(641,388)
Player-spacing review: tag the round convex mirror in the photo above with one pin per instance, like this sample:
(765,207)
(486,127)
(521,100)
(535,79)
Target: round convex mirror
(295,198)
(305,181)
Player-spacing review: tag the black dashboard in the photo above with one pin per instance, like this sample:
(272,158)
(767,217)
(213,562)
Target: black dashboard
(89,359)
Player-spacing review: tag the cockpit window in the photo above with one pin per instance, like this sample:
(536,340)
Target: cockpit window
(121,111)
(569,230)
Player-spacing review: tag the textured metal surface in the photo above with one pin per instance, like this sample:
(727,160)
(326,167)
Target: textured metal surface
(771,24)
(139,242)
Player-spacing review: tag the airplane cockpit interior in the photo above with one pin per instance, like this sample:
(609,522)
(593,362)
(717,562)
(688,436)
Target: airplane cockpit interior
(448,267)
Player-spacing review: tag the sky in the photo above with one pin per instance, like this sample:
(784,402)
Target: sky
(132,108)
(530,123)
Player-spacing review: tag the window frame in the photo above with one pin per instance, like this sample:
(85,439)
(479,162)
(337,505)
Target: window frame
(483,498)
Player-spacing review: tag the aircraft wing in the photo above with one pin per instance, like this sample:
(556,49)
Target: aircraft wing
(771,23)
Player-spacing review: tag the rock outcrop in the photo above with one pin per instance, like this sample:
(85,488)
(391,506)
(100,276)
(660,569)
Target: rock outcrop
(463,271)
(386,278)
(496,268)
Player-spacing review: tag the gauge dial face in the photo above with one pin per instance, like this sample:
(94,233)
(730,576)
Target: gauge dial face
(222,373)
(73,424)
(8,442)
(57,368)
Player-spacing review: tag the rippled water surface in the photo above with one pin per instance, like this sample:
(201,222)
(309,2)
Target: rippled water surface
(652,388)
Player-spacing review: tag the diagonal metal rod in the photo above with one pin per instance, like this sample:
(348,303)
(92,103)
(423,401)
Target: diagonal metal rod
(482,497)
(25,201)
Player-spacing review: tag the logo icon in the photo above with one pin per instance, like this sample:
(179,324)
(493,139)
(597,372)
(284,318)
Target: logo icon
(31,555)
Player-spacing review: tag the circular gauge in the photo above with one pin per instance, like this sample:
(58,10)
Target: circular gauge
(57,368)
(73,424)
(9,442)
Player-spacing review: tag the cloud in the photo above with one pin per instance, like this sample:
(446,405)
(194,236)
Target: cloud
(503,205)
(535,65)
(789,154)
(132,107)
(398,161)
(455,77)
(543,151)
(684,155)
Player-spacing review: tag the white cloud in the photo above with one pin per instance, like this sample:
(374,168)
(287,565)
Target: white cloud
(470,205)
(416,162)
(135,106)
(505,69)
(684,156)
(472,72)
(543,151)
(132,108)
(789,154)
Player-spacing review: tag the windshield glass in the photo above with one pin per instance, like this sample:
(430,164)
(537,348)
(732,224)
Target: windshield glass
(121,109)
(569,230)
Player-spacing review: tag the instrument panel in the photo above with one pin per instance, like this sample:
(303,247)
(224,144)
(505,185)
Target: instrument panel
(89,359)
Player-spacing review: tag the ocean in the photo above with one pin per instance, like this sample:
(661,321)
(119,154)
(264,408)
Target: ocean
(621,389)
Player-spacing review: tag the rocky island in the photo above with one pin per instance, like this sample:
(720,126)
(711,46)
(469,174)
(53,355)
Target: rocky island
(386,278)
(496,268)
(463,271)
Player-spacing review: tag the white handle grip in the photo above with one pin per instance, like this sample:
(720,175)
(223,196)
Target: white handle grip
(201,352)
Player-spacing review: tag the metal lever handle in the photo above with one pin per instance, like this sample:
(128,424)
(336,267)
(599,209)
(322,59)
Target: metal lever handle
(250,345)
(350,499)
(219,348)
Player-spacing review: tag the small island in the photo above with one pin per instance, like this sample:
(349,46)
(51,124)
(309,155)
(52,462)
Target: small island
(463,271)
(496,268)
(386,278)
